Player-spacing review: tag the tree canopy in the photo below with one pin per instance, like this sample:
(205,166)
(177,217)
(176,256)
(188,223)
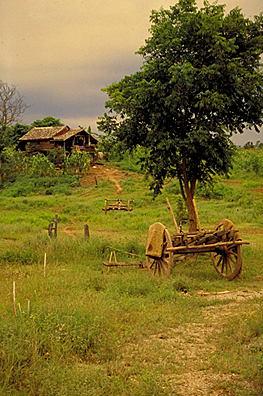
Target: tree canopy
(47,122)
(200,82)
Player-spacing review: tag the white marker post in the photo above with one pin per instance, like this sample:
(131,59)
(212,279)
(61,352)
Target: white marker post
(14,297)
(45,264)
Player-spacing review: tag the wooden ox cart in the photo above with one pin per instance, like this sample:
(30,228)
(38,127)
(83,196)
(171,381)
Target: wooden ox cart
(223,244)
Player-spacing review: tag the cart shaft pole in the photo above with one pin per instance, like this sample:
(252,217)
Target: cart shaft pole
(211,245)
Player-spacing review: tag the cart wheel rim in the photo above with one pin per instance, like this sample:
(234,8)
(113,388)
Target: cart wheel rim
(228,261)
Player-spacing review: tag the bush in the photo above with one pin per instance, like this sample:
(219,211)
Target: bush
(249,161)
(76,163)
(48,185)
(214,191)
(19,257)
(39,165)
(12,163)
(56,155)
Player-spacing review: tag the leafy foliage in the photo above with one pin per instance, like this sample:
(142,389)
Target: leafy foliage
(38,173)
(12,163)
(46,122)
(200,82)
(249,161)
(11,134)
(77,163)
(56,155)
(39,165)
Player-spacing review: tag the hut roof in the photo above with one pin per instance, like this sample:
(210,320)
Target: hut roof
(56,133)
(42,133)
(67,134)
(72,132)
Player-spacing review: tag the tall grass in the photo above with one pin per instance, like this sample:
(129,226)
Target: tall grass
(84,322)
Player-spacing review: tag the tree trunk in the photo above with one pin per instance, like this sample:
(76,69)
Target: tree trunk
(188,191)
(192,213)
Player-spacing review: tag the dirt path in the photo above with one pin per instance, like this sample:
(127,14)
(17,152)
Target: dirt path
(197,343)
(190,347)
(102,172)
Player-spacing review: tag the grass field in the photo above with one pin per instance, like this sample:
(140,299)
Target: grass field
(83,330)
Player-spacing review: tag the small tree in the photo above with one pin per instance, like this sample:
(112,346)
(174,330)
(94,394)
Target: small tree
(12,105)
(200,82)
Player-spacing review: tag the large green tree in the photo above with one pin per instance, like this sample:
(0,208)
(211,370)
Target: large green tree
(199,83)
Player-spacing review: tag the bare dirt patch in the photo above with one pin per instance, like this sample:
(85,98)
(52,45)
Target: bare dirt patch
(70,231)
(101,172)
(183,354)
(238,295)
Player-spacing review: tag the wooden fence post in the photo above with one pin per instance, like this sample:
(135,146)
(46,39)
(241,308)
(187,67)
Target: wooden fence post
(86,232)
(56,220)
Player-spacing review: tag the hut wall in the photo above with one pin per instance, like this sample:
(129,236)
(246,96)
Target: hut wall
(39,146)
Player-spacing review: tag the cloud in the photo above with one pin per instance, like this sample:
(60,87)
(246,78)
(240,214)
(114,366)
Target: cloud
(60,53)
(75,93)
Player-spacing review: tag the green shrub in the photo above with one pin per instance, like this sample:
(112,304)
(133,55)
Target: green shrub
(12,164)
(249,161)
(77,163)
(214,191)
(129,161)
(56,155)
(23,257)
(46,185)
(39,165)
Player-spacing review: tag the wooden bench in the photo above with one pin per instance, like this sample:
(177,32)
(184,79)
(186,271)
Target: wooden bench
(118,204)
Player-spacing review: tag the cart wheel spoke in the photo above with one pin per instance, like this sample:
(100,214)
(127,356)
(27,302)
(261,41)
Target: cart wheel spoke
(219,261)
(153,264)
(223,265)
(229,264)
(232,259)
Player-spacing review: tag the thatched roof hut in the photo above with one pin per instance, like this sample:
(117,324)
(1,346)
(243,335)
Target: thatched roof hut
(44,139)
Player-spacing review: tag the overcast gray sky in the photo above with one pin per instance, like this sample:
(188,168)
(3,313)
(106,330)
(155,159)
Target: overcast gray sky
(60,53)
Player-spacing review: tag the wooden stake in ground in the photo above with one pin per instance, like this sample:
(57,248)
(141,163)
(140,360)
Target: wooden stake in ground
(45,264)
(14,297)
(169,207)
(86,232)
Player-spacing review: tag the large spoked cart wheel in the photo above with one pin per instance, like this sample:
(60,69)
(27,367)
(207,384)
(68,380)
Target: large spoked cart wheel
(158,258)
(227,259)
